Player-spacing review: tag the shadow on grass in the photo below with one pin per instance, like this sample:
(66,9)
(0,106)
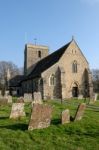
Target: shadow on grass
(18,126)
(28,114)
(4,117)
(56,121)
(72,118)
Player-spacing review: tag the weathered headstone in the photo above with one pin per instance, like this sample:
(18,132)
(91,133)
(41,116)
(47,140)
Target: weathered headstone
(27,97)
(17,110)
(14,93)
(96,95)
(93,98)
(3,101)
(9,99)
(80,97)
(20,100)
(40,116)
(65,118)
(91,101)
(6,93)
(80,111)
(0,93)
(37,98)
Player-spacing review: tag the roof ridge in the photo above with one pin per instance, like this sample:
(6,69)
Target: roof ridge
(45,63)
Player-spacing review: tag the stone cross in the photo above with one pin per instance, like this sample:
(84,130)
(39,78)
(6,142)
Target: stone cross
(40,116)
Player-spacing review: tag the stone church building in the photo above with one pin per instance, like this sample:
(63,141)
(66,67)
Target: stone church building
(63,74)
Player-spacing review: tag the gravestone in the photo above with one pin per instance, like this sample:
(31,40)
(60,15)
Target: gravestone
(6,93)
(27,97)
(40,117)
(14,93)
(17,110)
(93,98)
(3,101)
(65,118)
(80,112)
(91,101)
(37,98)
(9,99)
(96,95)
(20,100)
(0,93)
(80,97)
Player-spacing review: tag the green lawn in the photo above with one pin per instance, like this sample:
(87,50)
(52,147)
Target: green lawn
(80,135)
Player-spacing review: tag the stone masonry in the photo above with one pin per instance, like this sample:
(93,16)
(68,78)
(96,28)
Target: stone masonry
(63,74)
(32,54)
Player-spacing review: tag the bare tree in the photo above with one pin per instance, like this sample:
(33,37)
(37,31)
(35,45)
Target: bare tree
(95,73)
(7,71)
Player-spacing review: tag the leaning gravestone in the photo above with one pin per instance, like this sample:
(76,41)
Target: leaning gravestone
(37,98)
(65,118)
(40,117)
(80,112)
(17,110)
(27,97)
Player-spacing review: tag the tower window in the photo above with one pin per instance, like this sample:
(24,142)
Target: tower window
(39,54)
(74,67)
(52,80)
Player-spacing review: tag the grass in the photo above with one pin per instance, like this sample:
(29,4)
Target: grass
(80,135)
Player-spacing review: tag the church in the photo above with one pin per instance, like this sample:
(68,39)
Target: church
(62,74)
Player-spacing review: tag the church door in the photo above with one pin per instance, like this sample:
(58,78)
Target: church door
(75,91)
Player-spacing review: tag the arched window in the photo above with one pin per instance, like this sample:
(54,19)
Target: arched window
(74,66)
(39,54)
(52,80)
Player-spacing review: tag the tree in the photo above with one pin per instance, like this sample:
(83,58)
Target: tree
(95,73)
(7,71)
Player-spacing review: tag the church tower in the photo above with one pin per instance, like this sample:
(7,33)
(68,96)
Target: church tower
(32,54)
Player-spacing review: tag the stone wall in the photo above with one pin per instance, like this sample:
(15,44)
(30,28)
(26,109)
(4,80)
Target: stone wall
(31,55)
(67,77)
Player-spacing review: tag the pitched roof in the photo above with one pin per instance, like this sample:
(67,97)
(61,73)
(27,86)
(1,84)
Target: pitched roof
(15,81)
(47,62)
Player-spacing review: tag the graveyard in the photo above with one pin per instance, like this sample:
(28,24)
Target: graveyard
(59,134)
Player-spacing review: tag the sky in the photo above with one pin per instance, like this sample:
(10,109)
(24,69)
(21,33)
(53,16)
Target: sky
(52,23)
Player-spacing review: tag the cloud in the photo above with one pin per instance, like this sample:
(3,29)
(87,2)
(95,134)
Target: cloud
(91,2)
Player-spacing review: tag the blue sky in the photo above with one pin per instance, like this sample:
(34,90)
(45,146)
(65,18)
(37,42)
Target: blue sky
(52,22)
